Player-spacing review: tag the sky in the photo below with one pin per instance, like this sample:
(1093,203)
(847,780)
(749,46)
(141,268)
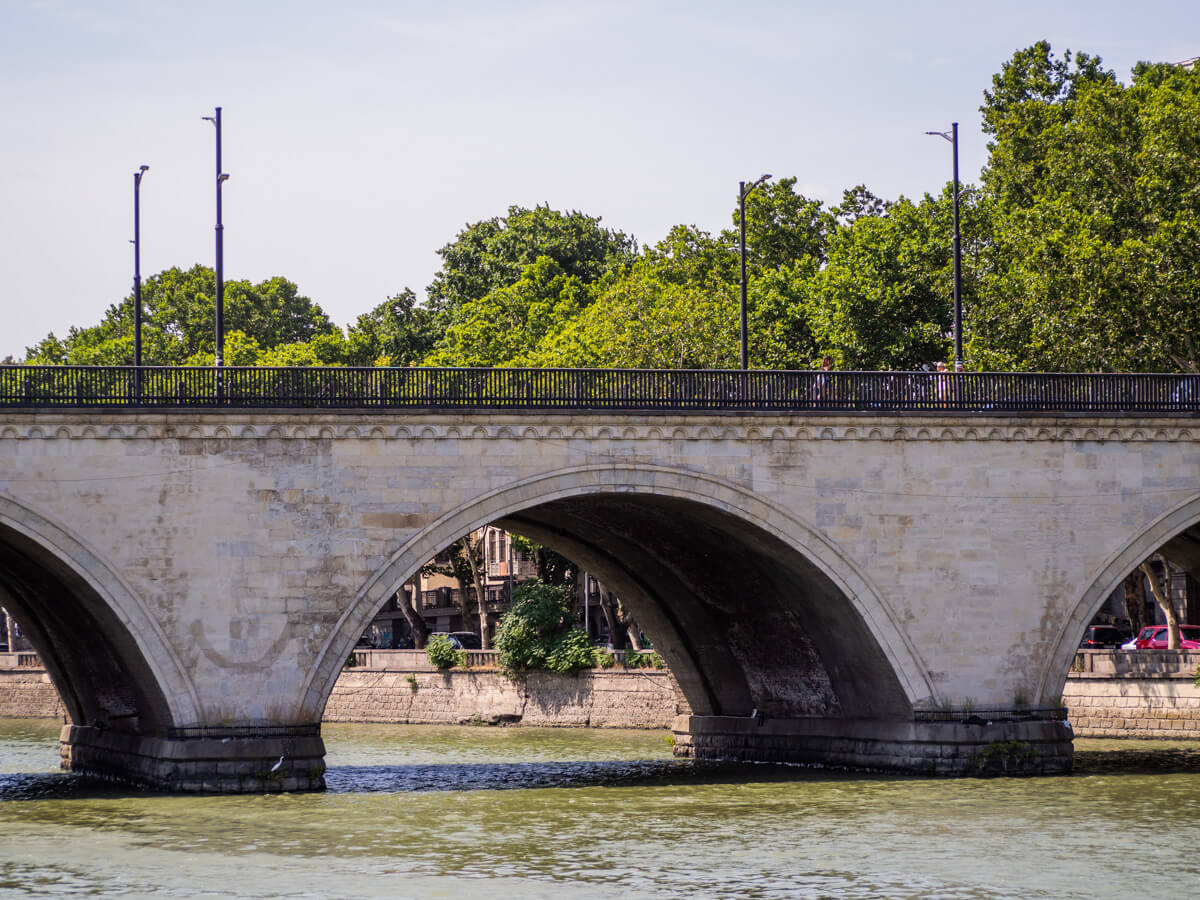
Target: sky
(362,136)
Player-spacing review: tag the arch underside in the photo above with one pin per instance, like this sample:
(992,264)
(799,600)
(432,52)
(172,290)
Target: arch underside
(744,621)
(93,660)
(750,609)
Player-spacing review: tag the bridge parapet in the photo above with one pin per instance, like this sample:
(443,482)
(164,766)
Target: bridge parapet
(263,387)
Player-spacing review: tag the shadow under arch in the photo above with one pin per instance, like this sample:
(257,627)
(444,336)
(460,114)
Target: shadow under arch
(106,655)
(1149,540)
(752,608)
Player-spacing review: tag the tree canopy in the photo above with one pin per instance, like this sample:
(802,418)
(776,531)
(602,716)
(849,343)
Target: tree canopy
(1080,252)
(1092,260)
(178,310)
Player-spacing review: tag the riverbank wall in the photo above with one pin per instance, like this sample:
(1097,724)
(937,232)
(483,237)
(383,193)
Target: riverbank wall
(401,687)
(596,698)
(1134,694)
(1109,694)
(26,692)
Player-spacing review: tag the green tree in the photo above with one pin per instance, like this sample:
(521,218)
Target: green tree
(506,324)
(397,332)
(882,300)
(644,320)
(178,310)
(1093,258)
(782,227)
(493,253)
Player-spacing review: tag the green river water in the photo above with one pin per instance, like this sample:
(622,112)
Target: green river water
(432,812)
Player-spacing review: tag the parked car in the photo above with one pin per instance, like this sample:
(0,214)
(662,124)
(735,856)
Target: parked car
(1132,643)
(1103,637)
(462,640)
(1155,637)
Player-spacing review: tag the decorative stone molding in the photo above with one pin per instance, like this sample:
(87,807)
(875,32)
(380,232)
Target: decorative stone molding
(316,426)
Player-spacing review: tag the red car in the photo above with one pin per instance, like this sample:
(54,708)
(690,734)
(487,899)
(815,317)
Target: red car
(1154,637)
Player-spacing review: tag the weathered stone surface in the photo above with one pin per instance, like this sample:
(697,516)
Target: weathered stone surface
(188,569)
(28,694)
(933,748)
(213,765)
(1140,694)
(600,698)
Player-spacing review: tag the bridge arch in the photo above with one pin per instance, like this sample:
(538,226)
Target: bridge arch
(819,642)
(1109,575)
(106,654)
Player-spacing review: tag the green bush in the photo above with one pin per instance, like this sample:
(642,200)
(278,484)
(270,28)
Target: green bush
(572,650)
(637,659)
(537,632)
(444,654)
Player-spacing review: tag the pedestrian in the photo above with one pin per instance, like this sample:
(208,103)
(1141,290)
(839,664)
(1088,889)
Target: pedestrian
(824,385)
(941,384)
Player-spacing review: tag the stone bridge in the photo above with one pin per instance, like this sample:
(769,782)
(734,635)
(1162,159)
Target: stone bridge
(897,590)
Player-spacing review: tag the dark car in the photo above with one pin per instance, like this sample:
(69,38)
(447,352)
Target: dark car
(464,640)
(1103,637)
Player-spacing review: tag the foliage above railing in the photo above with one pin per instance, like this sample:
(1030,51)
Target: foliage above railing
(593,389)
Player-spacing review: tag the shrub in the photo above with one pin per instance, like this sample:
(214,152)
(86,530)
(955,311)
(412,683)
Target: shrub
(537,632)
(572,650)
(444,654)
(637,659)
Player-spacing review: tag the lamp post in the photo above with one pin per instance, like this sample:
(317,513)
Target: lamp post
(220,263)
(952,137)
(743,193)
(137,281)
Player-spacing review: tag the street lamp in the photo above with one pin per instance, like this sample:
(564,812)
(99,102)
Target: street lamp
(743,193)
(952,137)
(137,280)
(220,323)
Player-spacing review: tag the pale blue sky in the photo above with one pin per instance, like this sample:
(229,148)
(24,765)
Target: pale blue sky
(361,136)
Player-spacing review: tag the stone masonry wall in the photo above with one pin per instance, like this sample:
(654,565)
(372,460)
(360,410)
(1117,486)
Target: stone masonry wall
(1135,694)
(1102,706)
(598,698)
(28,694)
(1149,704)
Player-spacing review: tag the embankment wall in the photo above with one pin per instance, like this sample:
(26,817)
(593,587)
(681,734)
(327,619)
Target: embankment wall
(1108,694)
(28,693)
(1123,694)
(599,698)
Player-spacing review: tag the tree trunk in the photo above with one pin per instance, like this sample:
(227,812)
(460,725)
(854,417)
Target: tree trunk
(635,635)
(609,607)
(416,622)
(1164,600)
(474,560)
(1135,600)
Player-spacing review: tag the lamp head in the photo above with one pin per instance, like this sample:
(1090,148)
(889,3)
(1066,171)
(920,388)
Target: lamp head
(222,178)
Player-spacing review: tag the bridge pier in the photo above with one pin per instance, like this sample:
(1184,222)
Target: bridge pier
(969,745)
(215,760)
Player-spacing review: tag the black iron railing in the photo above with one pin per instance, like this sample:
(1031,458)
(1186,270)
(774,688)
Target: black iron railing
(569,389)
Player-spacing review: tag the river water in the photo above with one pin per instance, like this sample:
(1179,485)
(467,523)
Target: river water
(432,812)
